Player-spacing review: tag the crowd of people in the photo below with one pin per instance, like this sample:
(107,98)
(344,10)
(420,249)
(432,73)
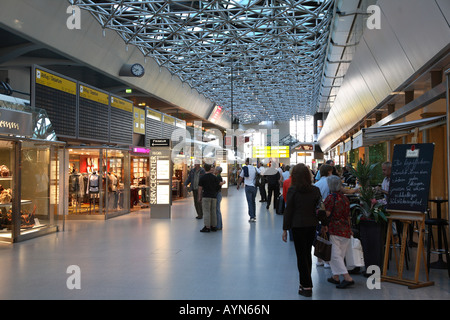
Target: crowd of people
(302,192)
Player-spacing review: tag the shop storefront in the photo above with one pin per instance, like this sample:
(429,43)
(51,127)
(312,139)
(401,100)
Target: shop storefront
(139,189)
(29,173)
(98,182)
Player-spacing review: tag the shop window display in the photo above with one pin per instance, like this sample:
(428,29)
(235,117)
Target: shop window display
(35,186)
(84,182)
(139,190)
(6,187)
(96,183)
(31,213)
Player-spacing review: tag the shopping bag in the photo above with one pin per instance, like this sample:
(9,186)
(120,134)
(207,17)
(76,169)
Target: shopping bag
(354,256)
(322,249)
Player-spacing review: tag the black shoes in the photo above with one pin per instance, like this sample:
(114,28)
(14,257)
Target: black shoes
(305,292)
(333,281)
(344,284)
(206,229)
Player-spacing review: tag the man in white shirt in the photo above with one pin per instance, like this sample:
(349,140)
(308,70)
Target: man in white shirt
(248,174)
(325,171)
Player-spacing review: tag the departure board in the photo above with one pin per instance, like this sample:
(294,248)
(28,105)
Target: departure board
(153,126)
(121,121)
(271,152)
(58,96)
(93,120)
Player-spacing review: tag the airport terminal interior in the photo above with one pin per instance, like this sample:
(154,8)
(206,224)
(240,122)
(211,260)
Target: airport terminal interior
(269,150)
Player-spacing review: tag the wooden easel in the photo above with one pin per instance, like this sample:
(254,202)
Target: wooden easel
(407,217)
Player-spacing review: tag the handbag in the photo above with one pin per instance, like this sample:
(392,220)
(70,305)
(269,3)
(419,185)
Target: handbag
(354,256)
(322,248)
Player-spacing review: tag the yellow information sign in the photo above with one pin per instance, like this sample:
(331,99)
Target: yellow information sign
(50,80)
(271,152)
(139,120)
(121,104)
(94,95)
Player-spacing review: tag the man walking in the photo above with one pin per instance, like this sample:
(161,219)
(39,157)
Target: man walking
(193,179)
(248,174)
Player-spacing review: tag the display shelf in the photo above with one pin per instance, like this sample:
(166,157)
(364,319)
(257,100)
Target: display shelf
(22,202)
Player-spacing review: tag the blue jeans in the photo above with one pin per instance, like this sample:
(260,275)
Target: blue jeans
(250,194)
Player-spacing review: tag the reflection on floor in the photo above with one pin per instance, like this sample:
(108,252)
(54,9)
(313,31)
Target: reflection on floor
(136,257)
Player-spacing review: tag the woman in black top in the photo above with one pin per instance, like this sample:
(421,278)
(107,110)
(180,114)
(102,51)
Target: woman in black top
(303,198)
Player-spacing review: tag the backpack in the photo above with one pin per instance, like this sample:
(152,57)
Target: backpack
(245,171)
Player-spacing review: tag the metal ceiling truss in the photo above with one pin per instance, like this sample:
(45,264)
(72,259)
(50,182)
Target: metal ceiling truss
(261,58)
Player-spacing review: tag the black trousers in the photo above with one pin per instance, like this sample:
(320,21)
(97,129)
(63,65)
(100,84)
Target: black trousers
(275,190)
(262,191)
(303,241)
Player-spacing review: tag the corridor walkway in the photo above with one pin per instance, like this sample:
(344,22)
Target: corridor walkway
(136,257)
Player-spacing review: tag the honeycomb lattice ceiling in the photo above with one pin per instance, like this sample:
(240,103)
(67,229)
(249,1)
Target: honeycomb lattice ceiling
(263,59)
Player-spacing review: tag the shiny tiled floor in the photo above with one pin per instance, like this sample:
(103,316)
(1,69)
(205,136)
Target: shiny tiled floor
(136,257)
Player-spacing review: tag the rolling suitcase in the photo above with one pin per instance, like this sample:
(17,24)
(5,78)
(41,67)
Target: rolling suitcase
(280,205)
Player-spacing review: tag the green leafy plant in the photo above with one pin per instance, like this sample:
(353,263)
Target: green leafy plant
(369,208)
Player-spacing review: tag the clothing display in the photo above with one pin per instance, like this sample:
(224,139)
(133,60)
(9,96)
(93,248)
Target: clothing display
(93,184)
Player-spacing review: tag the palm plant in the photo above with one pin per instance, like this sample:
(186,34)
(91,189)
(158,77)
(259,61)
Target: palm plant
(368,206)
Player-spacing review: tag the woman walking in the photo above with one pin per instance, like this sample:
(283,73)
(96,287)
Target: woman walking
(303,198)
(337,207)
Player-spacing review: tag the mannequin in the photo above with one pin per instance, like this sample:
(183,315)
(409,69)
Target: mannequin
(112,188)
(93,187)
(76,188)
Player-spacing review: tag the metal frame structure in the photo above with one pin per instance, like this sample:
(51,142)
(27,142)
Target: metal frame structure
(265,58)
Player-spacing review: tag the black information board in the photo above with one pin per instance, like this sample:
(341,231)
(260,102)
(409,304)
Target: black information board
(410,177)
(121,121)
(58,96)
(93,120)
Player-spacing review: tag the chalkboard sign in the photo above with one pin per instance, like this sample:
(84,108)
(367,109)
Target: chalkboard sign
(410,177)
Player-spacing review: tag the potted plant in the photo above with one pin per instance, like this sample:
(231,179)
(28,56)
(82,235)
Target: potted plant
(371,215)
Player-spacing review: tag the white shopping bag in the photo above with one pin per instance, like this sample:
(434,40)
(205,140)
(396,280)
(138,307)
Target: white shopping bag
(354,256)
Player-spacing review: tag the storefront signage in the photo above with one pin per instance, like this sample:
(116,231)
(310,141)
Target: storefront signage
(216,114)
(348,145)
(159,142)
(141,150)
(305,147)
(357,141)
(160,177)
(15,123)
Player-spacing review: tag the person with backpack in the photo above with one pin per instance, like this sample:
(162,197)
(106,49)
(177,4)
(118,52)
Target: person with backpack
(248,175)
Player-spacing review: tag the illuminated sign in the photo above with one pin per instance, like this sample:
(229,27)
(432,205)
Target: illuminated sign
(216,114)
(141,150)
(305,147)
(271,152)
(160,177)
